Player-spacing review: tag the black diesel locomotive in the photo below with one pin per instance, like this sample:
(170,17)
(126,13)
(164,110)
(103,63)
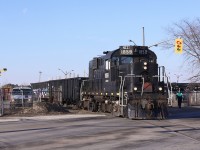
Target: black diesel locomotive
(125,82)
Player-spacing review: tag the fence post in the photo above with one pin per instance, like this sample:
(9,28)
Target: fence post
(0,107)
(1,103)
(195,99)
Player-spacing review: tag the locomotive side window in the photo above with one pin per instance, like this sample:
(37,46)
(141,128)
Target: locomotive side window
(95,63)
(107,65)
(100,62)
(115,61)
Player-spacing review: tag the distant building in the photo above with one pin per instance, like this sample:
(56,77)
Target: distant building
(185,87)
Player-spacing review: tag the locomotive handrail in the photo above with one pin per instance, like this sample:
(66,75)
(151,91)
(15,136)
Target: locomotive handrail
(142,86)
(169,91)
(130,75)
(120,90)
(139,76)
(169,88)
(121,93)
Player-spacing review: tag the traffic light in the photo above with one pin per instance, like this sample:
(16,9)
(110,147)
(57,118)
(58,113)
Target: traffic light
(179,46)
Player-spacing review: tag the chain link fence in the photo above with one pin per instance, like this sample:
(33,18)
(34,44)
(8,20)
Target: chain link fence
(8,102)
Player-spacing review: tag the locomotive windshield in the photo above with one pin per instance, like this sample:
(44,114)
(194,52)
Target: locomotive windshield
(126,60)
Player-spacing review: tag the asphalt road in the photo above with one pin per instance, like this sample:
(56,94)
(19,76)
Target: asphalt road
(96,132)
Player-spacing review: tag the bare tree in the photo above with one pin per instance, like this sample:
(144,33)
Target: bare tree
(189,31)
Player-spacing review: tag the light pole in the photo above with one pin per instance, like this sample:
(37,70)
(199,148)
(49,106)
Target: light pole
(66,73)
(178,76)
(22,97)
(40,74)
(132,42)
(159,43)
(85,73)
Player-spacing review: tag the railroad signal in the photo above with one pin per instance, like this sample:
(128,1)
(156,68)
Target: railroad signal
(179,46)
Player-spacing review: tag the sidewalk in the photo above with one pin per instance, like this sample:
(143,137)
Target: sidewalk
(50,117)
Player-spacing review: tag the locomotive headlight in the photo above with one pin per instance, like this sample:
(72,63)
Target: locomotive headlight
(160,88)
(145,67)
(135,88)
(145,63)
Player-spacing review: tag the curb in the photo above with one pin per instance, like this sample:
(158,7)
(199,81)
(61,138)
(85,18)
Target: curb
(52,117)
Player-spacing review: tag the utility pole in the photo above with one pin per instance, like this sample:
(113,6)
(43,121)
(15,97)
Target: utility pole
(66,73)
(178,76)
(40,74)
(85,74)
(143,36)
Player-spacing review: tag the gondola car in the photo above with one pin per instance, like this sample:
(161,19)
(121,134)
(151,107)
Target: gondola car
(63,91)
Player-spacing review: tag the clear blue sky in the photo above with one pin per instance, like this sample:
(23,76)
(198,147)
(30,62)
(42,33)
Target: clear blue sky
(44,35)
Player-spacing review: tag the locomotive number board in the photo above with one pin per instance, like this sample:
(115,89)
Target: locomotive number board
(133,50)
